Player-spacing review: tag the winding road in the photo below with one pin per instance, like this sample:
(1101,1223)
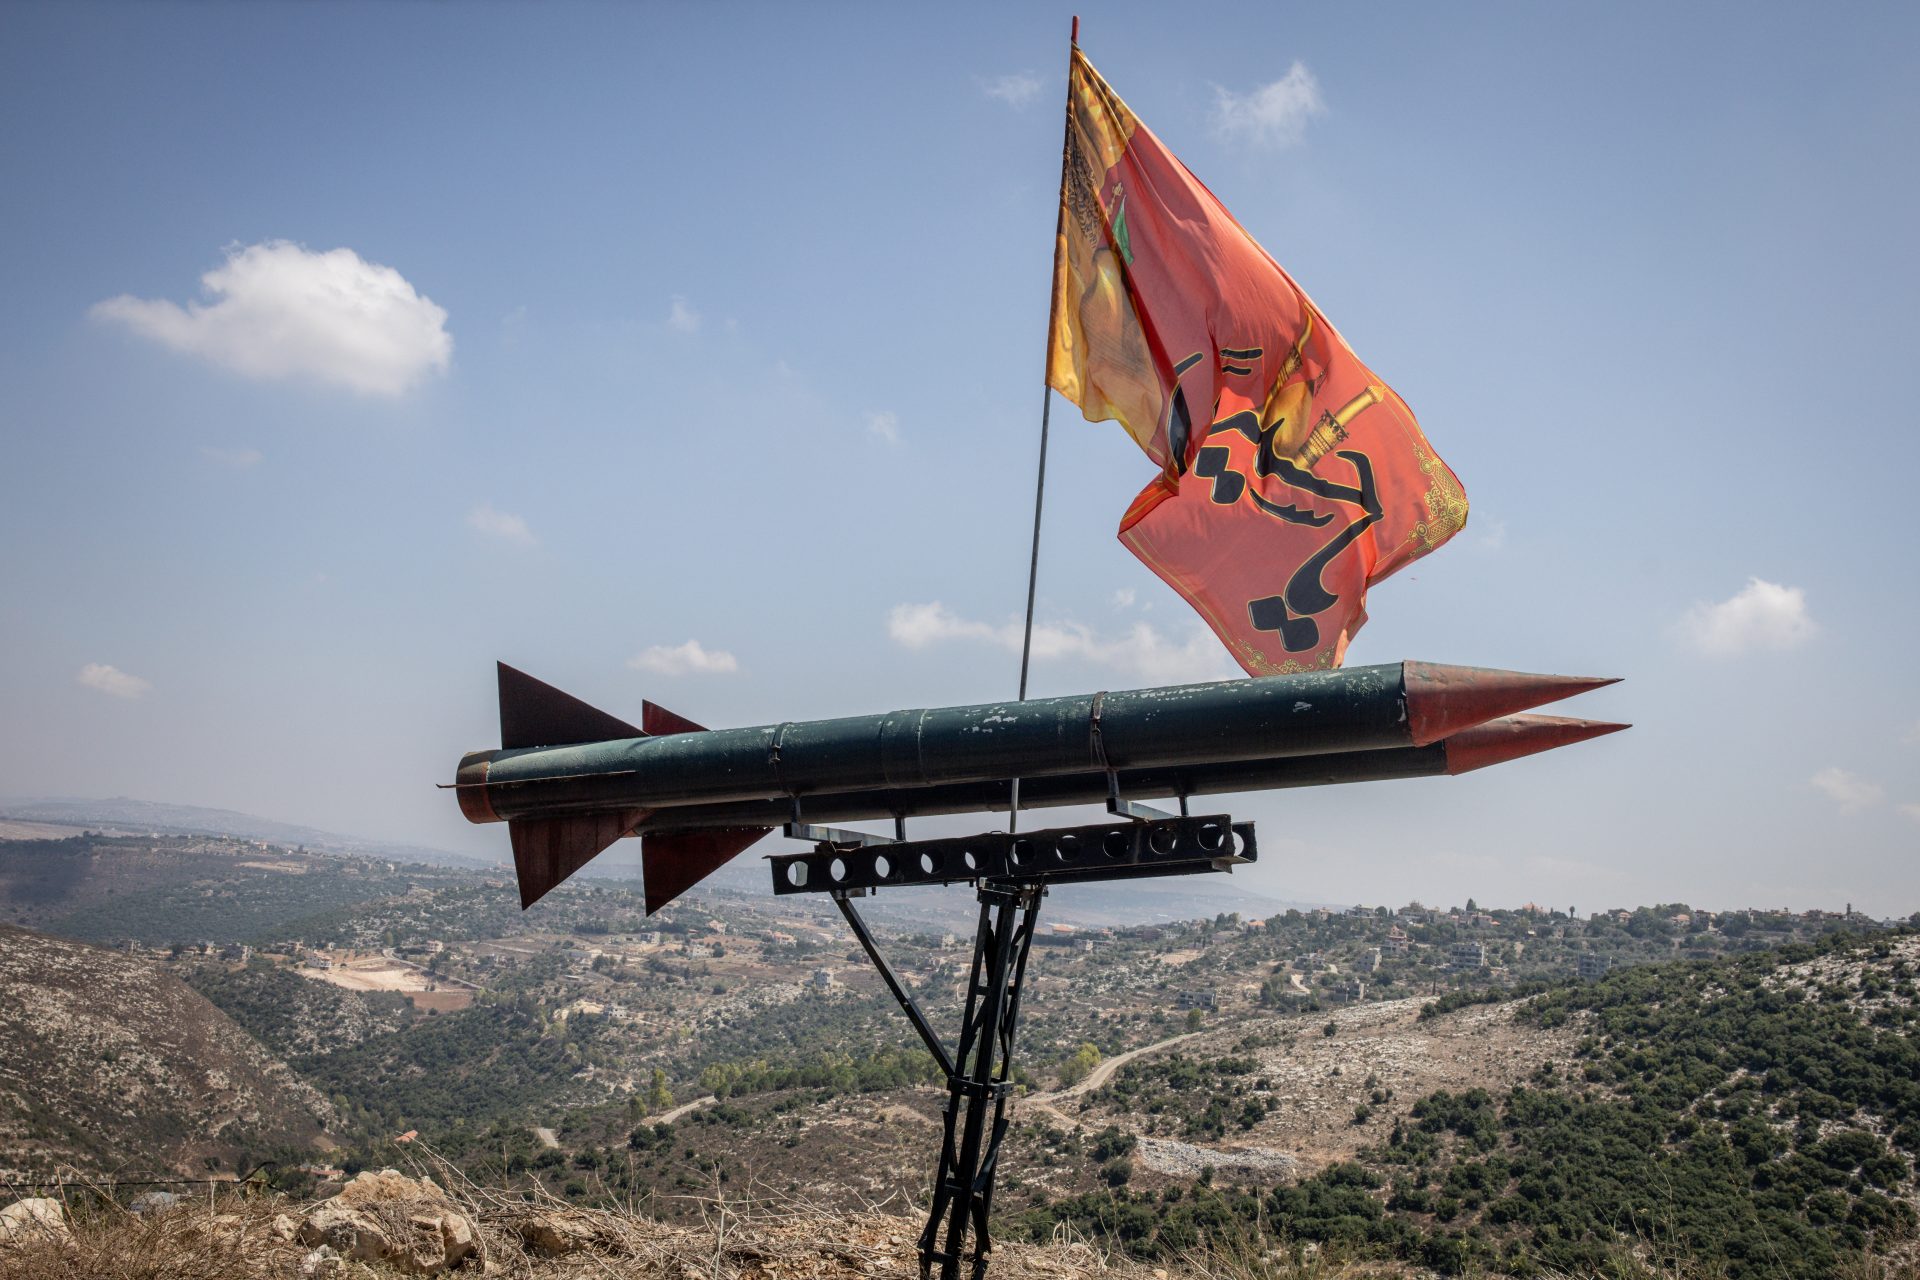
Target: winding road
(1097,1077)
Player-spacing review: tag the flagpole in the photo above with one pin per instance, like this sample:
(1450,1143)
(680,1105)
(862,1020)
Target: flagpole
(1046,411)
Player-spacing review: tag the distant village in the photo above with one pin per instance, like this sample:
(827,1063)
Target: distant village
(442,938)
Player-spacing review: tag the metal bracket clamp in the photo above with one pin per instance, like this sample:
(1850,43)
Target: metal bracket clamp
(1133,808)
(1115,805)
(838,837)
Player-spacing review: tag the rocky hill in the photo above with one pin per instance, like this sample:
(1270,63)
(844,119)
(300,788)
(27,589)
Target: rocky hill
(295,1018)
(110,1064)
(1739,1118)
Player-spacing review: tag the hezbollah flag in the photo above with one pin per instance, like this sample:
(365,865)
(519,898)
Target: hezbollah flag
(1291,478)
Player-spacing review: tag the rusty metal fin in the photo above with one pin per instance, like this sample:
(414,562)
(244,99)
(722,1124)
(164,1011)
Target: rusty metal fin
(548,850)
(658,721)
(535,714)
(673,863)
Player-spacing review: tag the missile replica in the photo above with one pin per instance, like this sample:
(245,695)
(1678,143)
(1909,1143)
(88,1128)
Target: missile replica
(569,779)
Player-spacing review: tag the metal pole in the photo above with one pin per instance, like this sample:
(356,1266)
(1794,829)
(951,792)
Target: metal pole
(901,995)
(1046,408)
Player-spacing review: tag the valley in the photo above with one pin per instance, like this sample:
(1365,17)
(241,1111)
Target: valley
(1394,1084)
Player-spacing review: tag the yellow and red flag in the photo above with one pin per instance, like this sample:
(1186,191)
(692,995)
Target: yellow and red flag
(1291,478)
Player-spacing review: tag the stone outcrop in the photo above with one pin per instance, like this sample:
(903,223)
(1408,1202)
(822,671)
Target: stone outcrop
(34,1221)
(553,1234)
(404,1223)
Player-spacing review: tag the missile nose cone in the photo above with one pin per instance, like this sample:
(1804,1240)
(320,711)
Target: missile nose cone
(1499,741)
(1442,700)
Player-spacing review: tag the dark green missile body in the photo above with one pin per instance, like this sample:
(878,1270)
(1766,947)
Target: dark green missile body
(1494,742)
(570,779)
(1271,717)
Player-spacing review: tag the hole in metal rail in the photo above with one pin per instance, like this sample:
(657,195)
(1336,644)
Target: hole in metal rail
(797,874)
(968,861)
(928,864)
(881,867)
(1067,849)
(837,870)
(1020,853)
(1116,844)
(1163,840)
(1212,836)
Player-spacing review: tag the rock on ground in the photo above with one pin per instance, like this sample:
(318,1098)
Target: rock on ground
(35,1220)
(408,1224)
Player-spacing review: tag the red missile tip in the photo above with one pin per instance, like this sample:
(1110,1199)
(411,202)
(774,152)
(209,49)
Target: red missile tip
(1442,700)
(1509,738)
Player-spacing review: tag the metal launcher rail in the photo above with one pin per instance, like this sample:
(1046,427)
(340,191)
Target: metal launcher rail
(1011,874)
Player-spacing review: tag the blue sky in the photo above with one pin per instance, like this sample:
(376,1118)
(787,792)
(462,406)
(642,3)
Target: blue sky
(572,335)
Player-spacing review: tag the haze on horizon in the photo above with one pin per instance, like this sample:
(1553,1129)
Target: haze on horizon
(695,356)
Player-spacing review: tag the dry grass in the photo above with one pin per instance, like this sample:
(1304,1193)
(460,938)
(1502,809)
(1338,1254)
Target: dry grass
(229,1239)
(527,1235)
(755,1237)
(531,1235)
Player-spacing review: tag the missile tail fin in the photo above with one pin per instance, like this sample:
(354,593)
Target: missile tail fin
(1509,738)
(658,721)
(548,850)
(671,864)
(535,714)
(1442,700)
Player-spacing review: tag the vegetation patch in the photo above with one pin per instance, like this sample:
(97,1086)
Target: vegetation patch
(1725,1116)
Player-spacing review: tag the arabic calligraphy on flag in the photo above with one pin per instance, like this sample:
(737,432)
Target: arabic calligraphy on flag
(1291,477)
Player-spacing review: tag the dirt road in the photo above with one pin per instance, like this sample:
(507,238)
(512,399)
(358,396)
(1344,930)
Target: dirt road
(1095,1078)
(668,1117)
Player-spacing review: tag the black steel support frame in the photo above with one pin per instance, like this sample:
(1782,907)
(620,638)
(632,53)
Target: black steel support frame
(1011,875)
(974,1123)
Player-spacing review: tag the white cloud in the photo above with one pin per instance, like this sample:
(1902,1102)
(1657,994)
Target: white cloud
(500,524)
(280,310)
(1139,651)
(1123,598)
(1910,811)
(1493,535)
(1850,791)
(238,459)
(683,317)
(691,658)
(111,680)
(1017,90)
(1764,615)
(884,426)
(1274,115)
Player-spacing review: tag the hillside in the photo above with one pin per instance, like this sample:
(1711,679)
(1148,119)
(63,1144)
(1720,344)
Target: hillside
(295,1018)
(108,1063)
(1750,1117)
(1411,1089)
